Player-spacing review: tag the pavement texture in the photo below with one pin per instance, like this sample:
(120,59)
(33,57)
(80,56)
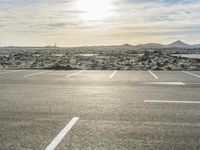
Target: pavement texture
(35,105)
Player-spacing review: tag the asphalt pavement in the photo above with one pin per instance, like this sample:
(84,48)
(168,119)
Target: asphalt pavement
(101,110)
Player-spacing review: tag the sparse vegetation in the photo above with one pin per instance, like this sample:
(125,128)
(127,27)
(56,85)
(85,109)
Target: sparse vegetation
(98,58)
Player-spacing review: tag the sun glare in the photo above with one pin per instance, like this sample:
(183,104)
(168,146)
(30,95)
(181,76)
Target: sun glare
(95,9)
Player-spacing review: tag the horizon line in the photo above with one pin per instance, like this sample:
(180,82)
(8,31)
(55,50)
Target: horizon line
(134,45)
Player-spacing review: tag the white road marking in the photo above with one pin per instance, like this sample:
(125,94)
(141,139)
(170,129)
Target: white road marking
(167,101)
(10,71)
(112,75)
(73,74)
(155,76)
(191,74)
(166,83)
(33,74)
(62,133)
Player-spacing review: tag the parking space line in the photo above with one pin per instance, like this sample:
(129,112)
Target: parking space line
(191,74)
(62,133)
(167,101)
(10,72)
(154,75)
(73,74)
(166,83)
(112,75)
(33,74)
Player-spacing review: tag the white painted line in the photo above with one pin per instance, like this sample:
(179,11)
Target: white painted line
(33,74)
(112,75)
(62,133)
(155,76)
(10,71)
(166,83)
(73,74)
(191,74)
(167,101)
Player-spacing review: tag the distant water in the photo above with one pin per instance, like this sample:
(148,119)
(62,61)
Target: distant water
(58,55)
(188,55)
(88,55)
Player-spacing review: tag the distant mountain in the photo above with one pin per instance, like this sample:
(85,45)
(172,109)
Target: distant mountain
(179,44)
(151,45)
(176,44)
(127,45)
(196,46)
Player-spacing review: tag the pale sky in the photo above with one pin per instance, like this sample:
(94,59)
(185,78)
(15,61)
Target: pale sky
(98,22)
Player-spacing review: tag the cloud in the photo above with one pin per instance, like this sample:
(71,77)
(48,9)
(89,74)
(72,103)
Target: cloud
(61,24)
(132,20)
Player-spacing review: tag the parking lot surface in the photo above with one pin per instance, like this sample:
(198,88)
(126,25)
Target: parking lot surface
(88,109)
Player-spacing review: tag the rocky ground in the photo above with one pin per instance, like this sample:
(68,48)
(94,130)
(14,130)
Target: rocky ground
(146,60)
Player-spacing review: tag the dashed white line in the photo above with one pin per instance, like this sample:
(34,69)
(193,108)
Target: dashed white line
(167,101)
(112,75)
(33,74)
(10,72)
(191,74)
(73,74)
(62,133)
(166,83)
(154,75)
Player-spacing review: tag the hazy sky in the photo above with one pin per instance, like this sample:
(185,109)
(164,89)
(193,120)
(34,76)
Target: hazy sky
(98,22)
